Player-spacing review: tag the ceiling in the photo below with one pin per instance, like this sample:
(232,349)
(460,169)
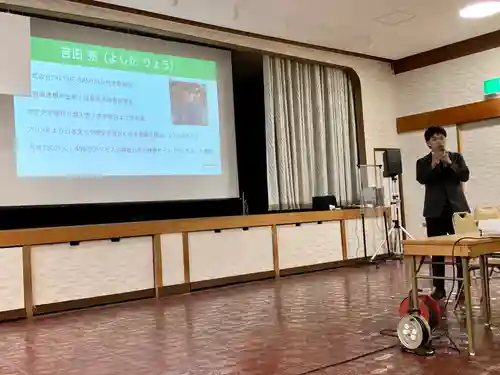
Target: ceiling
(390,29)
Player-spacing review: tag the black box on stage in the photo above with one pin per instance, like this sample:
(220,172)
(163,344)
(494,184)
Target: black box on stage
(323,203)
(392,162)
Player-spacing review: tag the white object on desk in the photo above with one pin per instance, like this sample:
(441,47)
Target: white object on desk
(489,228)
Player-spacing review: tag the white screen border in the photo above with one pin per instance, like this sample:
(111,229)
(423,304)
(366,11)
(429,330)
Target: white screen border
(61,191)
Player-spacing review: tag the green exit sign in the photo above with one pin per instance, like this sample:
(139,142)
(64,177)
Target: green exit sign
(492,86)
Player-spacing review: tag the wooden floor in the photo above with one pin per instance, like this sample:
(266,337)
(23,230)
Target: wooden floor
(322,323)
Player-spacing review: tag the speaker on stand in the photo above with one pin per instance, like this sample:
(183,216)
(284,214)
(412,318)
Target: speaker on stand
(393,169)
(393,165)
(370,197)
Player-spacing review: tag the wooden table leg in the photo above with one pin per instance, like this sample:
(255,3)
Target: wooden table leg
(468,306)
(414,283)
(485,289)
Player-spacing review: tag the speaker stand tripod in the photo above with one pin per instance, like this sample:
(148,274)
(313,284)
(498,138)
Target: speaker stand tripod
(396,232)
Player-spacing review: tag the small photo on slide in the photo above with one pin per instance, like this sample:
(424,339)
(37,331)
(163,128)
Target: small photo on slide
(188,103)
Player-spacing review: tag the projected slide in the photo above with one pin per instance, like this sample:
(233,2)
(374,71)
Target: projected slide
(101,111)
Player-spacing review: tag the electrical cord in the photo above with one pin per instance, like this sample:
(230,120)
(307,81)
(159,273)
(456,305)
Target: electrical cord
(454,281)
(454,276)
(358,242)
(393,332)
(454,260)
(390,332)
(364,355)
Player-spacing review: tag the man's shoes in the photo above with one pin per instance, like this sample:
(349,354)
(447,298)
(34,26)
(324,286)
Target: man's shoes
(438,294)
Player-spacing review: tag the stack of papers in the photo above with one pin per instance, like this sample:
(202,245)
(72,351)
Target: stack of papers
(489,228)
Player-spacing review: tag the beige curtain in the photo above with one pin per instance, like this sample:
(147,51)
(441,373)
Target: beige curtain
(311,134)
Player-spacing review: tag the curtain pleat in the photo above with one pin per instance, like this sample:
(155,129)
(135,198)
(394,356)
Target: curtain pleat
(311,134)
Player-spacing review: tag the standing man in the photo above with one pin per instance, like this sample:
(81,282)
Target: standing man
(442,172)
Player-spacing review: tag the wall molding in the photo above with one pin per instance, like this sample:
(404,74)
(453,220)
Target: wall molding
(92,302)
(478,111)
(10,315)
(452,51)
(42,236)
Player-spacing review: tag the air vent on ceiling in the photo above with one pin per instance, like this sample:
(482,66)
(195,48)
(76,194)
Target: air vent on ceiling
(395,18)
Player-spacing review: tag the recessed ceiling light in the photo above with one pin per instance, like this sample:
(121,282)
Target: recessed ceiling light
(481,9)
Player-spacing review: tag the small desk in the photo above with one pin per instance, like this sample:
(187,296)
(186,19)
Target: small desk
(467,246)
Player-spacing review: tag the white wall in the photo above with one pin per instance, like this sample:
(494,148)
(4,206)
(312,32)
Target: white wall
(232,252)
(11,279)
(448,84)
(481,150)
(374,236)
(309,243)
(62,272)
(377,79)
(172,259)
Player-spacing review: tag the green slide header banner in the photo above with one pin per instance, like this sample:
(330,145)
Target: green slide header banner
(70,53)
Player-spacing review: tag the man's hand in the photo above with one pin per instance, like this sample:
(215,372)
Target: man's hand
(436,159)
(445,159)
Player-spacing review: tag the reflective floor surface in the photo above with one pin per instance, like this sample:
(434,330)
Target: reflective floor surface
(323,323)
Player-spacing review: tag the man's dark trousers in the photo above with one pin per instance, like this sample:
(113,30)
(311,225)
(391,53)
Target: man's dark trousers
(441,226)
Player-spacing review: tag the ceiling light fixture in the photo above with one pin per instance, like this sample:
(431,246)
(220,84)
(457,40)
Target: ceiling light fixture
(481,9)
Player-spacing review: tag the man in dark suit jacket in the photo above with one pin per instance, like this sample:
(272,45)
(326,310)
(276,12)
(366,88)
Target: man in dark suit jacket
(442,172)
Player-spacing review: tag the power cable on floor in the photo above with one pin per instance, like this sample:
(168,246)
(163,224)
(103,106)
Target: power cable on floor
(348,360)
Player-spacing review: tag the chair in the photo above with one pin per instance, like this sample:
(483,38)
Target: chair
(489,213)
(466,223)
(486,213)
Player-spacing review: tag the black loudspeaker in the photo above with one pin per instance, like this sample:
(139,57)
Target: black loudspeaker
(392,162)
(323,203)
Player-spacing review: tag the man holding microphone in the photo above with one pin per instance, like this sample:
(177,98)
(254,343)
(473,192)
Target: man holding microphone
(442,172)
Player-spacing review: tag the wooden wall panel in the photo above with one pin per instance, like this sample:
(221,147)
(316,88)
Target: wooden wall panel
(49,236)
(449,52)
(473,112)
(26,237)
